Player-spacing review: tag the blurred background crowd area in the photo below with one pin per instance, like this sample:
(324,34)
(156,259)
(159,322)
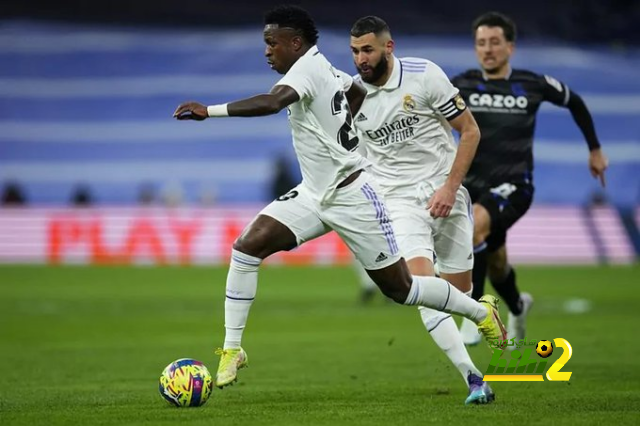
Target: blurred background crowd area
(87,91)
(591,21)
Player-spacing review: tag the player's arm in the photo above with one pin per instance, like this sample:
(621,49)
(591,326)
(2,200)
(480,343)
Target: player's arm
(469,131)
(354,91)
(355,97)
(280,97)
(598,162)
(442,201)
(448,101)
(559,94)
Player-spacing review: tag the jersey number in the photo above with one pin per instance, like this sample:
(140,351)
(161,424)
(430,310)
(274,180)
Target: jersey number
(288,196)
(338,105)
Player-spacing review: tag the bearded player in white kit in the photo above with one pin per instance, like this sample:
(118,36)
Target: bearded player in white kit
(404,127)
(336,193)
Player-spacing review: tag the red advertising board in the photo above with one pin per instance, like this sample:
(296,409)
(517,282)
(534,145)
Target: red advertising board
(205,236)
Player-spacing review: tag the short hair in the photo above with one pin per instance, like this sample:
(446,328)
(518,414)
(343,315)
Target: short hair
(496,19)
(294,17)
(369,24)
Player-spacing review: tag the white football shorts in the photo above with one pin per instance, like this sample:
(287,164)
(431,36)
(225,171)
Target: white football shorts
(419,235)
(357,213)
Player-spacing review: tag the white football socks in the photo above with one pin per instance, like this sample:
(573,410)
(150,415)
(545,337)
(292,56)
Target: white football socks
(438,294)
(444,332)
(242,283)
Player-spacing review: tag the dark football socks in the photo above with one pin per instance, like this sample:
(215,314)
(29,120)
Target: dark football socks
(479,270)
(508,292)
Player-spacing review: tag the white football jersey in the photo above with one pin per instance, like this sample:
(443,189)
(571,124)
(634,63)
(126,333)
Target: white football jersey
(321,124)
(403,126)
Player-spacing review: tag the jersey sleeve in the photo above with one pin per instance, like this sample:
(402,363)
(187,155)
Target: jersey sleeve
(456,80)
(441,93)
(346,79)
(554,91)
(301,78)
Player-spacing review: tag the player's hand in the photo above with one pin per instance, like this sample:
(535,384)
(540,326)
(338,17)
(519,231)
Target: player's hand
(191,111)
(441,202)
(598,163)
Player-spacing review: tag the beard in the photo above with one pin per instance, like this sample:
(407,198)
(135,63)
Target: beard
(492,70)
(496,68)
(376,72)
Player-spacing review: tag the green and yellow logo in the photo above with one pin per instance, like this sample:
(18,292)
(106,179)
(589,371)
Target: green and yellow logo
(523,366)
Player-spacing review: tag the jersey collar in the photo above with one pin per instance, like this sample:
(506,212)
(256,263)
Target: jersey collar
(312,50)
(506,77)
(394,81)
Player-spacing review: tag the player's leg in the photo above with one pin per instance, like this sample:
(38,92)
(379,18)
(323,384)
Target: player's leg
(503,278)
(444,331)
(396,282)
(360,217)
(421,266)
(414,229)
(261,238)
(514,201)
(488,227)
(282,225)
(441,325)
(481,231)
(453,241)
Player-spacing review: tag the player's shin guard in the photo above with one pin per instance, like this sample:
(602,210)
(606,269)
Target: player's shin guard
(242,283)
(508,291)
(438,294)
(479,274)
(444,332)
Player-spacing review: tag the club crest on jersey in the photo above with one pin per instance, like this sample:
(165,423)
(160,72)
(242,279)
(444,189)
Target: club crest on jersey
(409,104)
(459,102)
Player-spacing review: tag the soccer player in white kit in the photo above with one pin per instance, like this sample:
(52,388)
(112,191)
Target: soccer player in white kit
(336,193)
(404,126)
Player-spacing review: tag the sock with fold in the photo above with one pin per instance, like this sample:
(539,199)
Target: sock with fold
(444,332)
(438,294)
(242,284)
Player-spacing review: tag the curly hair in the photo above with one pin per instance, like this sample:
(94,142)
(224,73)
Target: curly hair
(294,17)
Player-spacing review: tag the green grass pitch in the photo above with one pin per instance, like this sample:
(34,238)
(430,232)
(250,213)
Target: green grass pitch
(85,346)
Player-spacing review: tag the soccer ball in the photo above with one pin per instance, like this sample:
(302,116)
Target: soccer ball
(544,348)
(186,383)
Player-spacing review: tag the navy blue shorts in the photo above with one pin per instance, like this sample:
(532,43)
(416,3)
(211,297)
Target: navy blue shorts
(506,204)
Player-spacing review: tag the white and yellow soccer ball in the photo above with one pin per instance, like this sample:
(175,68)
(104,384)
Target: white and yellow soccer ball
(186,383)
